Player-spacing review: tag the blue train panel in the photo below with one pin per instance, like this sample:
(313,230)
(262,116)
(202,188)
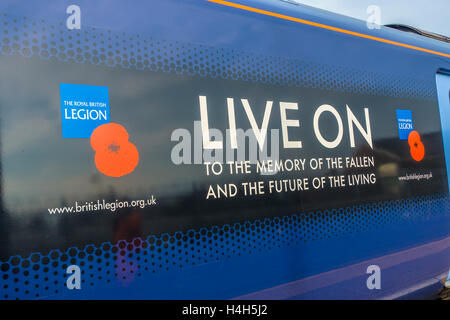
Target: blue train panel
(195,149)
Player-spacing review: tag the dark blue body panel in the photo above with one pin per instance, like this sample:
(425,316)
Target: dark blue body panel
(388,231)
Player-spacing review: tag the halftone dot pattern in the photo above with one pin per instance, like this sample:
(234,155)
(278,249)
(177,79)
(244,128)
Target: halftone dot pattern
(43,275)
(36,37)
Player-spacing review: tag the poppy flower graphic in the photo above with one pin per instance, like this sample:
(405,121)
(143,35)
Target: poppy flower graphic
(115,156)
(416,147)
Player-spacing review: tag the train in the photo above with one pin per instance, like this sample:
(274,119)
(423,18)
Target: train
(212,149)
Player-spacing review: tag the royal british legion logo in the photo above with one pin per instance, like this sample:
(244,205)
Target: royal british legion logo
(405,123)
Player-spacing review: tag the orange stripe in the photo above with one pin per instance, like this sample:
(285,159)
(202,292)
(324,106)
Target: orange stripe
(324,26)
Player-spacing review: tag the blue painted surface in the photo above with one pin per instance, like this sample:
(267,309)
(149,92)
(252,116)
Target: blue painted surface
(248,273)
(244,272)
(245,263)
(443,92)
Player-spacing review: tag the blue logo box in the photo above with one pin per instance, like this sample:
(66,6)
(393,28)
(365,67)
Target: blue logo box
(405,123)
(83,108)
